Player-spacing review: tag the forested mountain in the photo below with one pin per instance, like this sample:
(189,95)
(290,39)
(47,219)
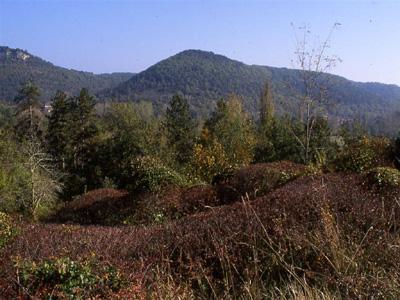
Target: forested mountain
(204,77)
(18,66)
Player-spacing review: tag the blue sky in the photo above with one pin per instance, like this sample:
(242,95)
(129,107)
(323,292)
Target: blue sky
(109,36)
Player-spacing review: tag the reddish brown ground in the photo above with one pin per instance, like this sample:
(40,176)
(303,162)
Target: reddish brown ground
(289,216)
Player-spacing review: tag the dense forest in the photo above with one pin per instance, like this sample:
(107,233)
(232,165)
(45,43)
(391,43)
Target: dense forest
(223,206)
(18,66)
(203,78)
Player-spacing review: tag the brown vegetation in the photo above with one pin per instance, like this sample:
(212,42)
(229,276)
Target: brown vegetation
(327,231)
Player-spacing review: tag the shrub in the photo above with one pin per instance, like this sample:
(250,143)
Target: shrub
(7,230)
(209,161)
(146,173)
(63,277)
(101,206)
(258,179)
(384,176)
(363,154)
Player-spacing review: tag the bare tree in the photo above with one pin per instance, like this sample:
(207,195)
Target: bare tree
(43,178)
(313,64)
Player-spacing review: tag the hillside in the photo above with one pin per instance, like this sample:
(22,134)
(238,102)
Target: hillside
(204,77)
(18,66)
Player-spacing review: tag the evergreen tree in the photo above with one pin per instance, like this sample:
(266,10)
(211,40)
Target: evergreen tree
(180,129)
(133,132)
(59,135)
(85,129)
(29,116)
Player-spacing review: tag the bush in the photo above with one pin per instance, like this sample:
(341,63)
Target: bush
(257,180)
(209,161)
(146,173)
(365,153)
(101,206)
(63,277)
(384,176)
(7,230)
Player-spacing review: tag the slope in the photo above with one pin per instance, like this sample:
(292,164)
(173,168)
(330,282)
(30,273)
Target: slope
(18,66)
(204,77)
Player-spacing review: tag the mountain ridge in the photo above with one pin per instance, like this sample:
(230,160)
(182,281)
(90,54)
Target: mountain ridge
(17,66)
(204,77)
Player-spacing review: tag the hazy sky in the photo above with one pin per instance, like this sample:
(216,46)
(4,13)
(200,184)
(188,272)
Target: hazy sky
(108,36)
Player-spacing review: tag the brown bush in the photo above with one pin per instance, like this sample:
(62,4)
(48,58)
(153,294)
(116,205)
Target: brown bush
(330,229)
(173,203)
(257,180)
(102,206)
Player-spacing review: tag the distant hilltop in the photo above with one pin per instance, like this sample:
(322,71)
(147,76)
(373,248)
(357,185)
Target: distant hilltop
(19,66)
(203,77)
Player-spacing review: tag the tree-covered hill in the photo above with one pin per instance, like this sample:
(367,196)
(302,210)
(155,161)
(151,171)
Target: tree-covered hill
(18,66)
(201,76)
(204,77)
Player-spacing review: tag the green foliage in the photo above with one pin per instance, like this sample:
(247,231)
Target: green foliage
(73,139)
(64,277)
(359,155)
(385,176)
(180,129)
(7,229)
(13,174)
(276,141)
(131,130)
(29,117)
(6,115)
(231,127)
(209,159)
(49,78)
(146,173)
(59,129)
(202,77)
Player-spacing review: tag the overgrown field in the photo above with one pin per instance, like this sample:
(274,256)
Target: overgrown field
(276,230)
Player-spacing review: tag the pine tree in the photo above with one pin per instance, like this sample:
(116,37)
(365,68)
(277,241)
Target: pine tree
(29,115)
(59,135)
(180,128)
(85,130)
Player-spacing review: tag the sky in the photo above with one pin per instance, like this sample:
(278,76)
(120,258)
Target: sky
(129,36)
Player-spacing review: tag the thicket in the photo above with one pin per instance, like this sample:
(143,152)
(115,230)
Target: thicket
(75,149)
(238,211)
(328,234)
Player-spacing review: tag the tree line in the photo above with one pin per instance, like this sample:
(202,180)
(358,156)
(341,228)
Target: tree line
(76,147)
